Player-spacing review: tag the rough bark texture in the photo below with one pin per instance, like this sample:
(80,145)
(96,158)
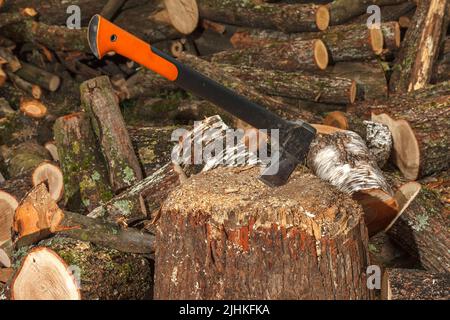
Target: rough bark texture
(310,87)
(213,225)
(422,229)
(39,76)
(86,184)
(102,105)
(419,50)
(105,274)
(405,284)
(287,56)
(24,158)
(286,17)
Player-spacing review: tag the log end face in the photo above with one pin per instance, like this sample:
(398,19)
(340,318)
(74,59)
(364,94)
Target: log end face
(52,175)
(320,54)
(376,40)
(336,119)
(323,18)
(183,15)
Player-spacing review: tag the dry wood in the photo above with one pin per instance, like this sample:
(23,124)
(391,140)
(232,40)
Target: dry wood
(286,17)
(419,50)
(24,158)
(39,76)
(293,55)
(406,284)
(30,89)
(13,62)
(8,205)
(102,106)
(299,233)
(85,175)
(180,14)
(422,228)
(33,108)
(391,35)
(343,160)
(50,174)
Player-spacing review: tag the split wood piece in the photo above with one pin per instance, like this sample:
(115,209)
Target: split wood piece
(98,273)
(298,85)
(55,280)
(111,8)
(409,284)
(343,10)
(8,205)
(30,89)
(12,61)
(419,131)
(52,149)
(86,183)
(298,234)
(16,128)
(377,136)
(285,17)
(101,103)
(414,64)
(39,76)
(343,160)
(5,261)
(180,14)
(24,158)
(293,55)
(422,228)
(33,108)
(275,105)
(344,43)
(58,38)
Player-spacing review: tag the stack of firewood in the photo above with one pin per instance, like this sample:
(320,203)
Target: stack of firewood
(92,205)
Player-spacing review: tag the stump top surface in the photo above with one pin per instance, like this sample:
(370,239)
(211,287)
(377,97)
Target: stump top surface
(231,196)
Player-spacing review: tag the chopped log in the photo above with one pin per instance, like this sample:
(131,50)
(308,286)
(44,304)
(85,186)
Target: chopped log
(13,62)
(213,224)
(180,14)
(294,55)
(33,108)
(285,17)
(39,76)
(86,183)
(422,228)
(311,87)
(343,160)
(102,106)
(30,89)
(55,280)
(391,35)
(52,149)
(419,50)
(406,284)
(271,103)
(343,10)
(51,175)
(111,7)
(8,205)
(418,126)
(344,43)
(24,158)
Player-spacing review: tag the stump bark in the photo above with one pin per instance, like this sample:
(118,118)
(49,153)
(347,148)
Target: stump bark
(228,236)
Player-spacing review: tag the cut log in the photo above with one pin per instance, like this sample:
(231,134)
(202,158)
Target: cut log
(24,158)
(294,55)
(414,64)
(344,43)
(180,14)
(33,108)
(213,224)
(285,17)
(13,62)
(8,205)
(55,280)
(422,228)
(406,284)
(102,106)
(343,10)
(39,77)
(391,35)
(30,89)
(52,149)
(311,87)
(251,93)
(343,160)
(52,175)
(86,183)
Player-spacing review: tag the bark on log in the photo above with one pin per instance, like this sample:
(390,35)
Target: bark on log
(39,76)
(271,103)
(281,253)
(422,228)
(310,87)
(104,274)
(102,105)
(406,284)
(418,126)
(24,158)
(343,10)
(27,87)
(293,55)
(285,17)
(11,59)
(419,50)
(86,184)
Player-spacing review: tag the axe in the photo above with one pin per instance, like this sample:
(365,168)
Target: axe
(294,138)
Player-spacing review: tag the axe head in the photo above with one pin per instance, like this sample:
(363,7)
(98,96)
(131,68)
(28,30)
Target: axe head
(291,151)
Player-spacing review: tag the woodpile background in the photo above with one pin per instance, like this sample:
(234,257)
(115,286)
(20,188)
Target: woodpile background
(93,207)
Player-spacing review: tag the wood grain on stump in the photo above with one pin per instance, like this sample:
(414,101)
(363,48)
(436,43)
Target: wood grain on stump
(228,236)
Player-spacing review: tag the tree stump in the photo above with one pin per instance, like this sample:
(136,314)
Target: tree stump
(226,235)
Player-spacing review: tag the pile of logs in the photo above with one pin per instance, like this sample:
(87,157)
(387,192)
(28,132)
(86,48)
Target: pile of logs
(93,204)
